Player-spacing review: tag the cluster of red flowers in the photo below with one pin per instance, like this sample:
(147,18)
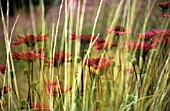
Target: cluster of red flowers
(100,43)
(30,42)
(151,40)
(165,9)
(55,88)
(156,36)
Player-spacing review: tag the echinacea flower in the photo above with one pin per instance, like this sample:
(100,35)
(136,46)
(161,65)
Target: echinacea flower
(163,15)
(156,36)
(162,33)
(139,46)
(3,68)
(146,36)
(86,39)
(55,88)
(99,63)
(118,30)
(30,40)
(59,58)
(39,107)
(162,40)
(165,6)
(162,36)
(31,56)
(106,45)
(4,90)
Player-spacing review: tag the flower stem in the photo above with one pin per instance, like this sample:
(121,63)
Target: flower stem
(135,71)
(29,85)
(82,73)
(32,73)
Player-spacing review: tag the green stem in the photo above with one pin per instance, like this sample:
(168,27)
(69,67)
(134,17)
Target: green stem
(32,73)
(29,85)
(37,94)
(135,71)
(82,73)
(90,74)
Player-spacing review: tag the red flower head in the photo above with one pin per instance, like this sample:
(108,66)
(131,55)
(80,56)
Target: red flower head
(118,30)
(4,90)
(106,44)
(54,88)
(163,40)
(30,40)
(162,36)
(3,68)
(99,63)
(157,36)
(41,38)
(31,56)
(163,15)
(145,46)
(86,39)
(39,107)
(59,58)
(162,33)
(146,36)
(165,6)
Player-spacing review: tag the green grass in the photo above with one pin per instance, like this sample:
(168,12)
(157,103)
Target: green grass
(109,90)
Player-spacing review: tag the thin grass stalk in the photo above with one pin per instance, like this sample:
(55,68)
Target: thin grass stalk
(65,50)
(7,42)
(54,38)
